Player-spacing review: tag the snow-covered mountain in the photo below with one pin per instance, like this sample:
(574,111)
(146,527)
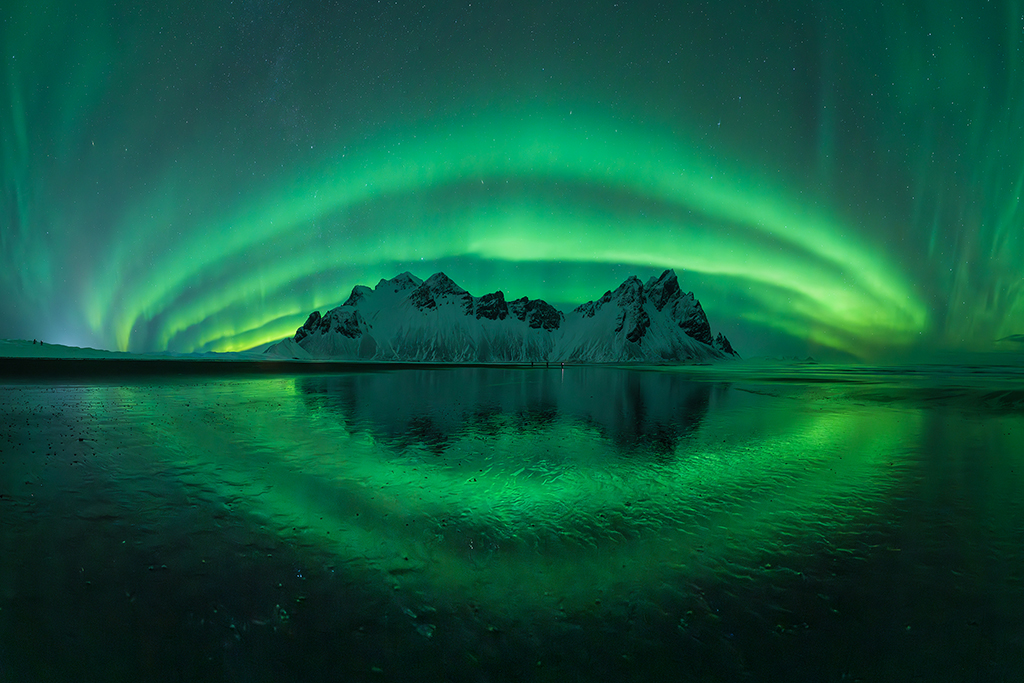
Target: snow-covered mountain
(408,319)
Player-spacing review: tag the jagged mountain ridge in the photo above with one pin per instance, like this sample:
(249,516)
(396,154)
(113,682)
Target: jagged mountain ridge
(409,319)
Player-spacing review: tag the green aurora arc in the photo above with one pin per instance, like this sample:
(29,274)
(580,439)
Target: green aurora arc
(828,180)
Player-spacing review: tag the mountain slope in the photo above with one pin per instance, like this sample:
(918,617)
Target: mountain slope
(409,319)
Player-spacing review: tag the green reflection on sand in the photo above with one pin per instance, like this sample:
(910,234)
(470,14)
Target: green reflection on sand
(547,514)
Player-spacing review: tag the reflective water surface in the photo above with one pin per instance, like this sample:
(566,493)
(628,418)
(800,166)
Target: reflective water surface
(497,524)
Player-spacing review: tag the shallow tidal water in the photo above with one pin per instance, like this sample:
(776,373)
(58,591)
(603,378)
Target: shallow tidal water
(783,523)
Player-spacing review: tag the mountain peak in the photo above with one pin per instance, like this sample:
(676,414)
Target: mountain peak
(630,292)
(409,319)
(663,289)
(439,286)
(400,282)
(666,277)
(358,293)
(440,283)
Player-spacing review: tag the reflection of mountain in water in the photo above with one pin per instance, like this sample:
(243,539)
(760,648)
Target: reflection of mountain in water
(640,411)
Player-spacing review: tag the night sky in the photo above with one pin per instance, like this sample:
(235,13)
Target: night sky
(832,178)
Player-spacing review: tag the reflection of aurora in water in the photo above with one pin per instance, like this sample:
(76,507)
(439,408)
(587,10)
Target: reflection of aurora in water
(514,523)
(572,499)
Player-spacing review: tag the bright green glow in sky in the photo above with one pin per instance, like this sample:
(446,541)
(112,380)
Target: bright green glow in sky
(842,284)
(826,179)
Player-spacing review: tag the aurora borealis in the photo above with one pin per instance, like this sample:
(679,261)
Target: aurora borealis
(829,178)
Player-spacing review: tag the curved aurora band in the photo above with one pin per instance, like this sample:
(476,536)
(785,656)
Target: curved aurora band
(844,178)
(839,284)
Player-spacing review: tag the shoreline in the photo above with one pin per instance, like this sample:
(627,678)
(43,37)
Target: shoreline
(15,366)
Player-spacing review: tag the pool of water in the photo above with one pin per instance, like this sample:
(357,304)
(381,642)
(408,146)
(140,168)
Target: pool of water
(497,524)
